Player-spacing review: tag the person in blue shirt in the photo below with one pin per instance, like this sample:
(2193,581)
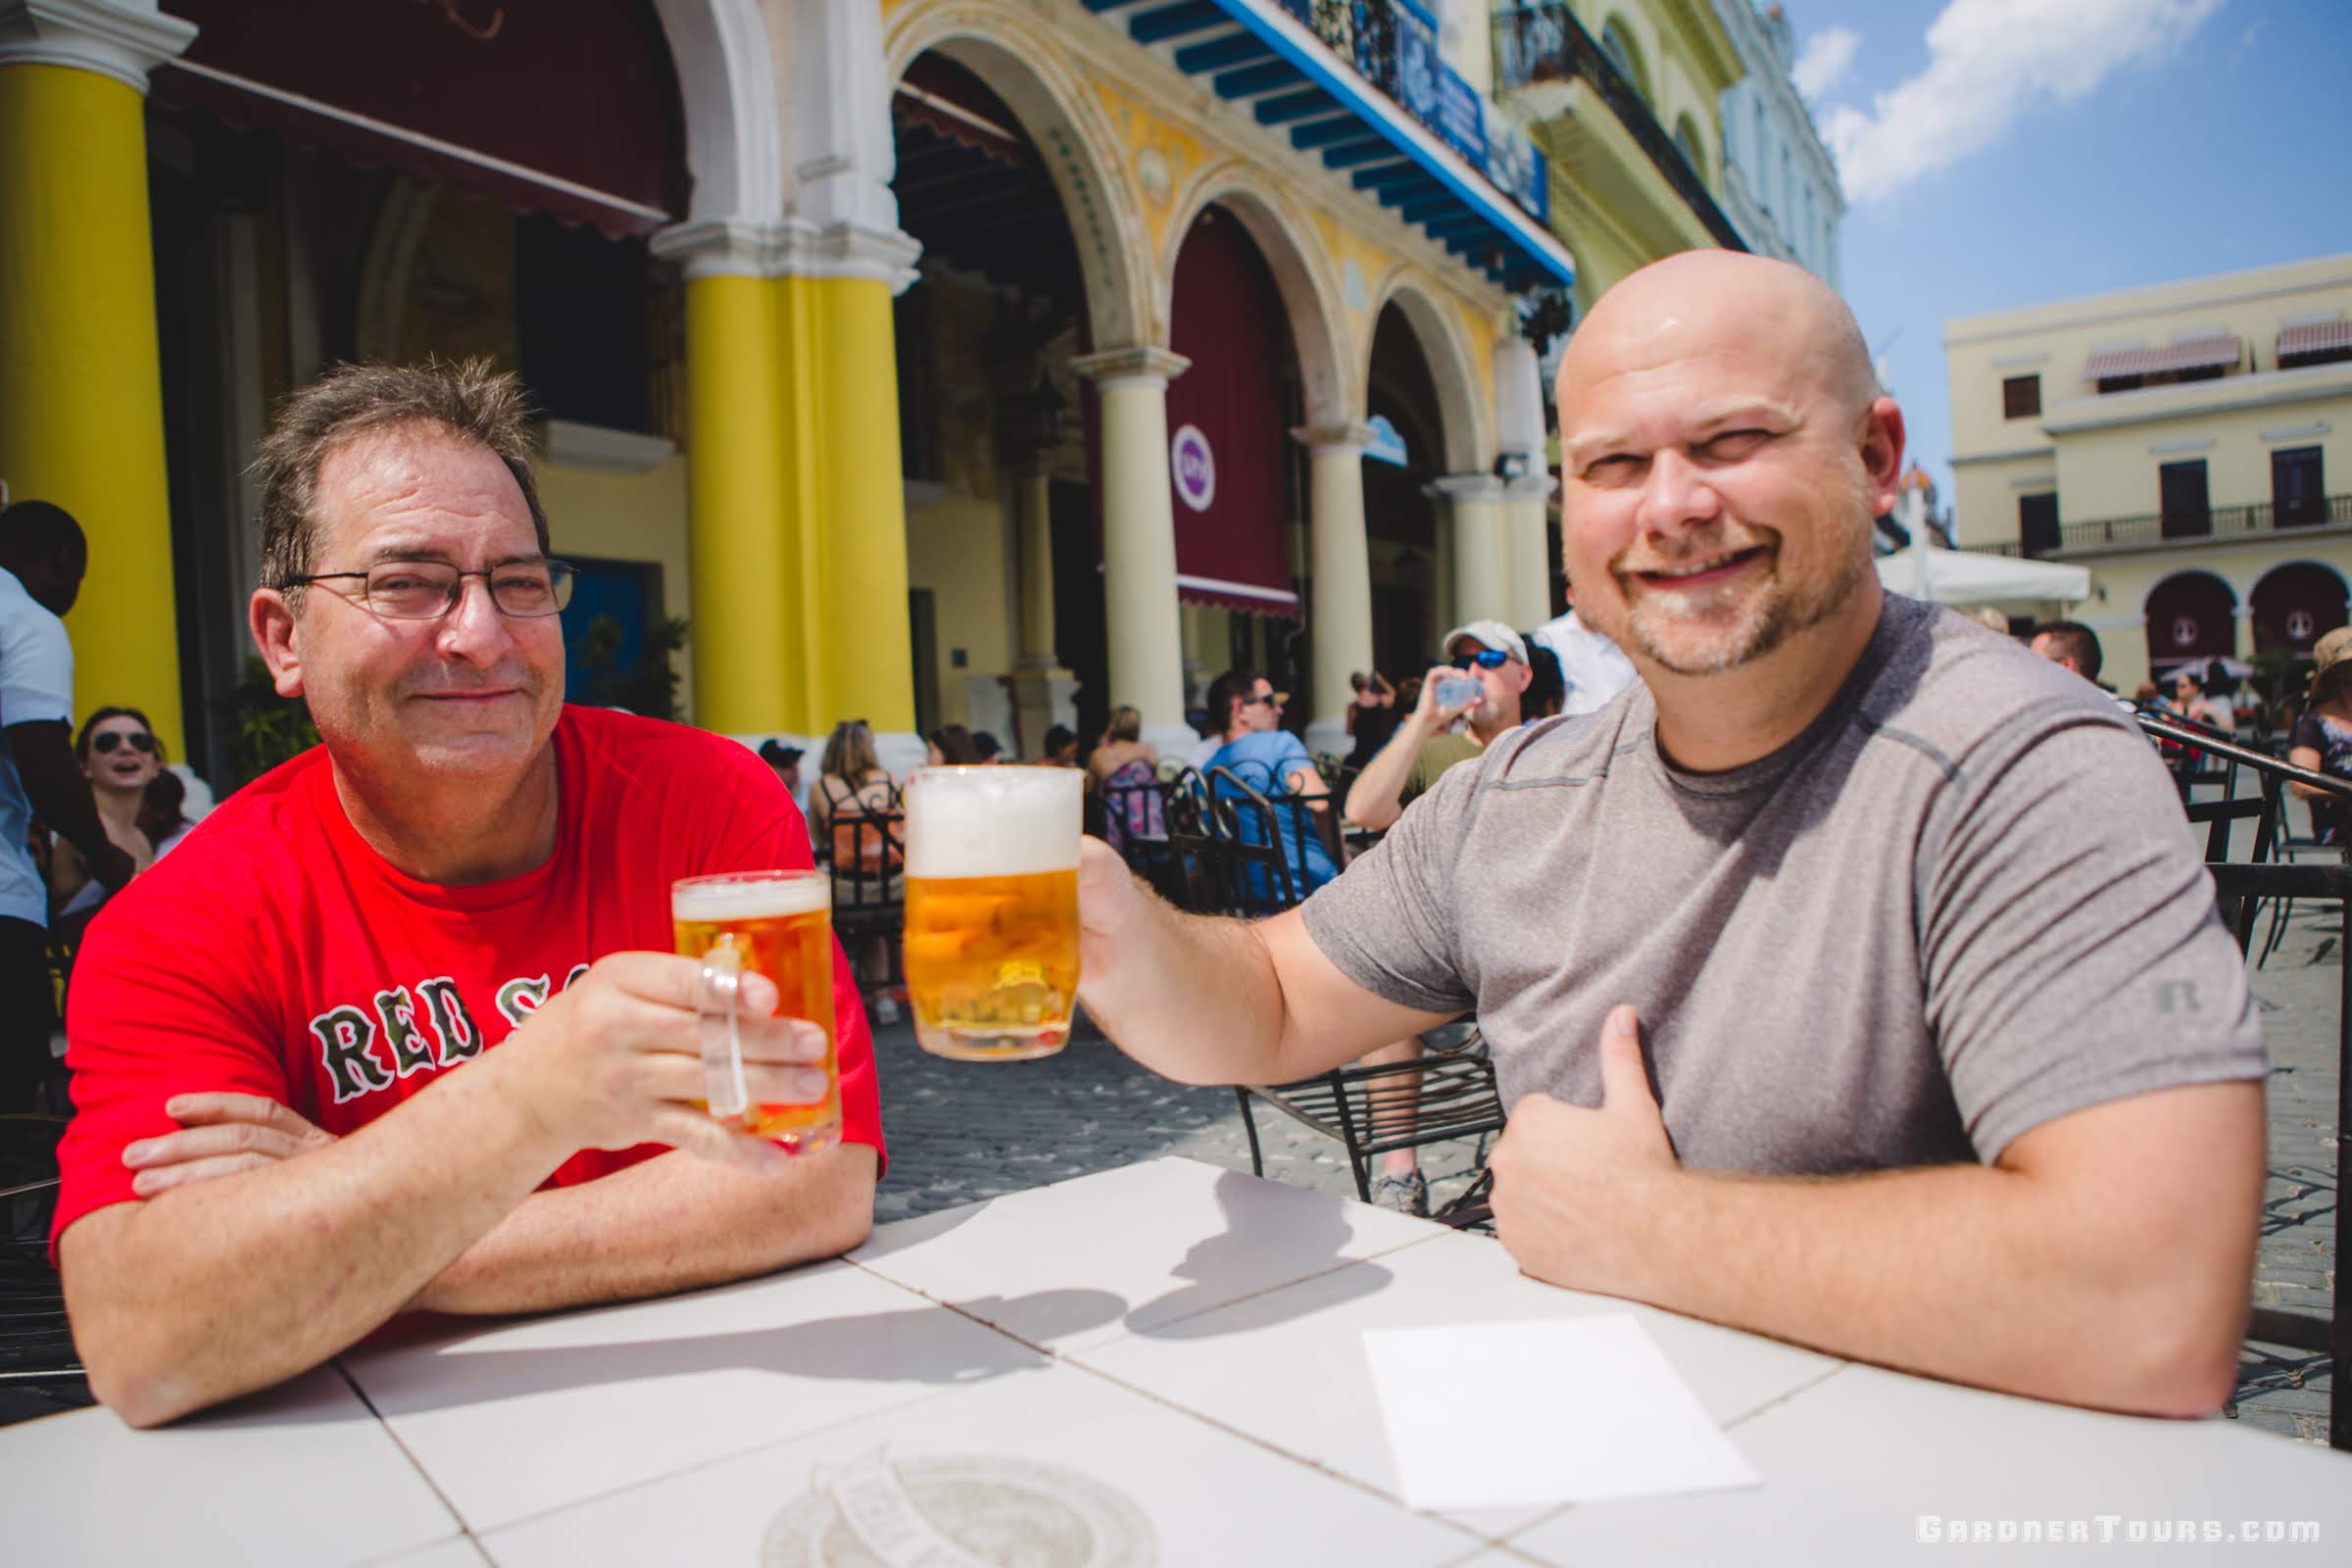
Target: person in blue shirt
(1273,761)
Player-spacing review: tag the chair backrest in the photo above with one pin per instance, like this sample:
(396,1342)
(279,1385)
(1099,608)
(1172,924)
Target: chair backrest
(869,857)
(1223,875)
(1184,803)
(1251,824)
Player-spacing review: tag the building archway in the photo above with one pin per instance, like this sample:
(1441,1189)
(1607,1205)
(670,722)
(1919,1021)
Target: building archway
(1317,336)
(2295,605)
(1410,561)
(2190,615)
(1054,116)
(1461,401)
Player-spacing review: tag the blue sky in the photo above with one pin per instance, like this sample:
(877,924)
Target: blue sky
(2001,153)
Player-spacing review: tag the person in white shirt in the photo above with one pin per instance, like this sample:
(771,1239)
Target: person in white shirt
(1594,668)
(42,558)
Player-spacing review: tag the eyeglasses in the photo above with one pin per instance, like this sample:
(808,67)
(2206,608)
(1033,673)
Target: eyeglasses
(1483,659)
(1270,699)
(427,590)
(108,739)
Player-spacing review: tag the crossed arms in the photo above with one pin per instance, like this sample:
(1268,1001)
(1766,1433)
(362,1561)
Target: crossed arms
(268,1246)
(2091,1263)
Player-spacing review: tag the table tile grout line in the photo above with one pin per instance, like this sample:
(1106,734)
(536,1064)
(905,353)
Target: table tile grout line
(406,1452)
(1781,1399)
(710,1462)
(1058,1358)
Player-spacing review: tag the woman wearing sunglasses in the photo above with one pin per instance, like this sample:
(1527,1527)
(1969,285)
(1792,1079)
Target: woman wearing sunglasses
(137,800)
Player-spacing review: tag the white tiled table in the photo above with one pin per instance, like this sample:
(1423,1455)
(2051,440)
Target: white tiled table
(1164,1360)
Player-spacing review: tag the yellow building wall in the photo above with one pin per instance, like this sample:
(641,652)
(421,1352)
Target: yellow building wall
(627,517)
(1985,496)
(2118,610)
(2111,473)
(957,548)
(2053,340)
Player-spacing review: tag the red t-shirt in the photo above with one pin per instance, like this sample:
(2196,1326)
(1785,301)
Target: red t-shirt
(274,952)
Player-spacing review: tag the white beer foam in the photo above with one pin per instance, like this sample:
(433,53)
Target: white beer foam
(993,821)
(749,899)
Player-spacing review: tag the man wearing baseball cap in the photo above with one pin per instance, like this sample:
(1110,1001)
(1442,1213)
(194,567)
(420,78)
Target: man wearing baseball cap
(1429,741)
(1432,739)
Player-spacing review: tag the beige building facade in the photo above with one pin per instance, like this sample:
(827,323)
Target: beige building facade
(2190,443)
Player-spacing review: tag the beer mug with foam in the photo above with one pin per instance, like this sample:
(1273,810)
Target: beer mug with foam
(992,909)
(779,925)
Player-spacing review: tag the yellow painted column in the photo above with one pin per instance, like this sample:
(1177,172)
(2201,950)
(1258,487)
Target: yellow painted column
(1341,573)
(857,634)
(1139,538)
(1481,588)
(748,673)
(81,420)
(1527,549)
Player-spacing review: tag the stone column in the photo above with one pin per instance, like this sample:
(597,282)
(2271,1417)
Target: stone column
(1139,538)
(1481,580)
(1527,548)
(82,392)
(1341,571)
(1042,689)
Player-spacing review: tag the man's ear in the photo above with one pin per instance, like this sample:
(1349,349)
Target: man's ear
(274,633)
(1882,453)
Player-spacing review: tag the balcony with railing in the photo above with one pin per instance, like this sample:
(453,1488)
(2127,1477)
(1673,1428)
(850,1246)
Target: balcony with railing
(2159,528)
(1544,42)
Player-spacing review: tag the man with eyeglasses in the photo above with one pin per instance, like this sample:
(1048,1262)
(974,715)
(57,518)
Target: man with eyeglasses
(401,1028)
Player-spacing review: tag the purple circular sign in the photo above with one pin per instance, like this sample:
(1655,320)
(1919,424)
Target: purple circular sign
(1192,467)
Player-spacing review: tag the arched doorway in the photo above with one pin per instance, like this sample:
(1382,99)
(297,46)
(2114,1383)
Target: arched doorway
(2295,605)
(1235,471)
(2191,615)
(990,422)
(1411,570)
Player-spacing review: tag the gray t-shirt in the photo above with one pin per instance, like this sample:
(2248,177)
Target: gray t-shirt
(1963,902)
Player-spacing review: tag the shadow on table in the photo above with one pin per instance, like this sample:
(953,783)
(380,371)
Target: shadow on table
(1307,1237)
(920,1344)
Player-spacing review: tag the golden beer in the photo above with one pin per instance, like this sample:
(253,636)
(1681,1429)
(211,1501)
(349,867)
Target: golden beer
(992,909)
(780,924)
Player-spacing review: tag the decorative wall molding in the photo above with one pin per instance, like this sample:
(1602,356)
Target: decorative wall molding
(1122,367)
(790,247)
(122,40)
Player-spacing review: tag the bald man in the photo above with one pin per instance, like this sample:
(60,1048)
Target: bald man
(1852,979)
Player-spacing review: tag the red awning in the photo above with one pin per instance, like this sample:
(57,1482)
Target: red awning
(1229,449)
(2314,337)
(569,111)
(2169,358)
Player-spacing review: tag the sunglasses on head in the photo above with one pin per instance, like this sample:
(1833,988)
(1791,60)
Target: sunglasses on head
(1483,659)
(108,739)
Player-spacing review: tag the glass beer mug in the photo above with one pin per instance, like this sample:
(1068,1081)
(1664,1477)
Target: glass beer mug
(992,909)
(779,925)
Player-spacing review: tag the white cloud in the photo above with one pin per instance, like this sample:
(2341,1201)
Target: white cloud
(1989,61)
(1824,59)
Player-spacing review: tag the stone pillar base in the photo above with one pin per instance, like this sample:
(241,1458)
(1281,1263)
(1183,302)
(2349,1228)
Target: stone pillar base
(1328,735)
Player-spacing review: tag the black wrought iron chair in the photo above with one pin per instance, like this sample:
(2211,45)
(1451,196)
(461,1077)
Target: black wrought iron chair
(2241,886)
(1449,1093)
(40,1368)
(868,869)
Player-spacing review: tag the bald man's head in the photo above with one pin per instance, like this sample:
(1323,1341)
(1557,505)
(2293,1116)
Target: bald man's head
(1722,449)
(1723,294)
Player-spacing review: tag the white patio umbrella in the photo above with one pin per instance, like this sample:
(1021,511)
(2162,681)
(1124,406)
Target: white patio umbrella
(1965,577)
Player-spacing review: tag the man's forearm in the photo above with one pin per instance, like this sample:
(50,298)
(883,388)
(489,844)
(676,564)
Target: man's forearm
(227,1286)
(1372,798)
(671,1223)
(1963,1272)
(1194,998)
(56,788)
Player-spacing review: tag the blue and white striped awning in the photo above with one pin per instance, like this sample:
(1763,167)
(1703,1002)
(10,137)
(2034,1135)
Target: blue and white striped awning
(1489,211)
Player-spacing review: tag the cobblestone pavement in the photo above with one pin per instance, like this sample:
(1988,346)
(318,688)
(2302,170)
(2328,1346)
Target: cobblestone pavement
(963,1131)
(2298,990)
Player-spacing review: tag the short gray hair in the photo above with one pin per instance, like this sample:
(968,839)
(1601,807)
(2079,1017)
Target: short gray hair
(475,401)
